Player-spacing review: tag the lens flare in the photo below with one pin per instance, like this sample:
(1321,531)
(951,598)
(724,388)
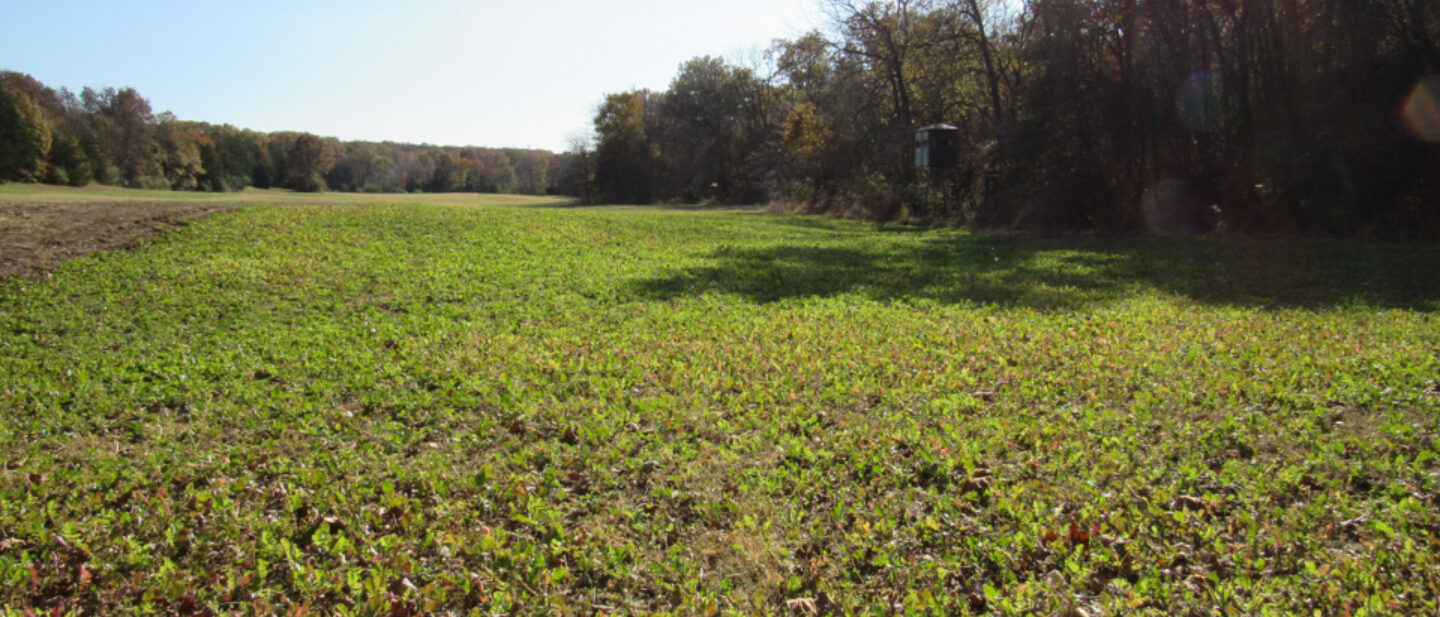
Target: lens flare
(1422,110)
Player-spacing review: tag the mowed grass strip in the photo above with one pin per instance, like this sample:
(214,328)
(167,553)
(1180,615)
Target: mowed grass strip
(389,409)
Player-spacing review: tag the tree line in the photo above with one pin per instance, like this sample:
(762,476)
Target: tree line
(1318,116)
(113,137)
(1169,116)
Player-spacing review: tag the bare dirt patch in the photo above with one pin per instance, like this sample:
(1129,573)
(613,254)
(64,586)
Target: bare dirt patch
(37,237)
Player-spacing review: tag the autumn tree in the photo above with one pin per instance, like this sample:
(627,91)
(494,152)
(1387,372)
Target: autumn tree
(575,169)
(307,159)
(625,159)
(123,127)
(362,166)
(25,137)
(532,170)
(232,158)
(179,156)
(713,119)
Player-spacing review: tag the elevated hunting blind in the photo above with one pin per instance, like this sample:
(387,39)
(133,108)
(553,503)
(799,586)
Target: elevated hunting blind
(937,145)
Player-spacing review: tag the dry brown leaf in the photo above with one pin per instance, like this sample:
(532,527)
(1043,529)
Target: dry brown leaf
(802,606)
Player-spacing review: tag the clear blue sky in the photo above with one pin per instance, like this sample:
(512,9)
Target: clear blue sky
(485,73)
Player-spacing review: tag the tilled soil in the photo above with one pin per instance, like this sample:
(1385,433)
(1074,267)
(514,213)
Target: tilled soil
(37,237)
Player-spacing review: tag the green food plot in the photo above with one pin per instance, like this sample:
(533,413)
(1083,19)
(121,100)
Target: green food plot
(388,409)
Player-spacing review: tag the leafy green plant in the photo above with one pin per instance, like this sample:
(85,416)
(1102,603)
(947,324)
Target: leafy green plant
(370,408)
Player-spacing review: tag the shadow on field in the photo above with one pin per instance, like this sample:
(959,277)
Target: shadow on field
(1057,274)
